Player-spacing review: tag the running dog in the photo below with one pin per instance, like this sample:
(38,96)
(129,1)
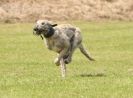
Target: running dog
(63,39)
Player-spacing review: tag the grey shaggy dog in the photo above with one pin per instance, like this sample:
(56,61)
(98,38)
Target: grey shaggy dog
(63,39)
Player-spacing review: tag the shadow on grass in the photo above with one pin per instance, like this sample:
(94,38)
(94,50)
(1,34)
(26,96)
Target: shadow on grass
(93,75)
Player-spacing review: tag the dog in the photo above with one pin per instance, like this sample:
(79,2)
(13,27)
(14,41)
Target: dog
(63,39)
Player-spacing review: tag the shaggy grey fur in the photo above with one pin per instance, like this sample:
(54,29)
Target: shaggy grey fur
(63,39)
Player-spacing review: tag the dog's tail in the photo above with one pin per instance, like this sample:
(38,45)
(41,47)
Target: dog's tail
(84,51)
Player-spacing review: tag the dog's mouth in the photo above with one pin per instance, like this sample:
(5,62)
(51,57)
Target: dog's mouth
(38,32)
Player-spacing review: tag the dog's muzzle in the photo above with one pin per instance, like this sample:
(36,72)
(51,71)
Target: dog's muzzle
(36,31)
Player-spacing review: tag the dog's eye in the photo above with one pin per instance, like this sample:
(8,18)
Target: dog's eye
(43,23)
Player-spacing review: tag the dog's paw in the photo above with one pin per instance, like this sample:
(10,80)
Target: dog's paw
(57,62)
(67,61)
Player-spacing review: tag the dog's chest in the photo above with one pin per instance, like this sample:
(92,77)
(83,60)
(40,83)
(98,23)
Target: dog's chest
(54,45)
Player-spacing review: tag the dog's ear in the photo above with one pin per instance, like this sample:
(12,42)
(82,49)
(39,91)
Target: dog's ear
(53,25)
(35,20)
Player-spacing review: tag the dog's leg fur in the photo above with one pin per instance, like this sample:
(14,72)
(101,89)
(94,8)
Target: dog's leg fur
(75,42)
(63,67)
(69,58)
(61,54)
(84,51)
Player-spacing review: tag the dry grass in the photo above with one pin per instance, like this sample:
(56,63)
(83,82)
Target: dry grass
(30,10)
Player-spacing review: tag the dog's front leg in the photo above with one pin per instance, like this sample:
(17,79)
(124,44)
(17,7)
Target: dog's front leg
(60,56)
(63,67)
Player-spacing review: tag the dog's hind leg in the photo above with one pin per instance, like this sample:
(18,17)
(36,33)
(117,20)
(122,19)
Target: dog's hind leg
(84,51)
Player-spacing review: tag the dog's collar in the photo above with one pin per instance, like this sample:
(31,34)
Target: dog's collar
(49,33)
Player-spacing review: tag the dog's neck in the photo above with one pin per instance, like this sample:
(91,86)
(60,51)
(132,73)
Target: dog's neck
(49,33)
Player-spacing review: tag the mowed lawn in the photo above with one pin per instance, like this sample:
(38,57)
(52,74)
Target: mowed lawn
(27,69)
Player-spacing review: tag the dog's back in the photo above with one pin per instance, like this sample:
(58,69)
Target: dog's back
(67,29)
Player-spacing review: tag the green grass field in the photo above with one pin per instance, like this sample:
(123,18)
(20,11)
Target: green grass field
(27,69)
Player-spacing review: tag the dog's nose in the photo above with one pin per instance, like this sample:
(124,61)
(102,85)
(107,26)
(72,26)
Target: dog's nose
(35,29)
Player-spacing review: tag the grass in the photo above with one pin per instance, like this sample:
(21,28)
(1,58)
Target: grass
(27,69)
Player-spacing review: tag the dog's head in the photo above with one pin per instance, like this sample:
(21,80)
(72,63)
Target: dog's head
(44,27)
